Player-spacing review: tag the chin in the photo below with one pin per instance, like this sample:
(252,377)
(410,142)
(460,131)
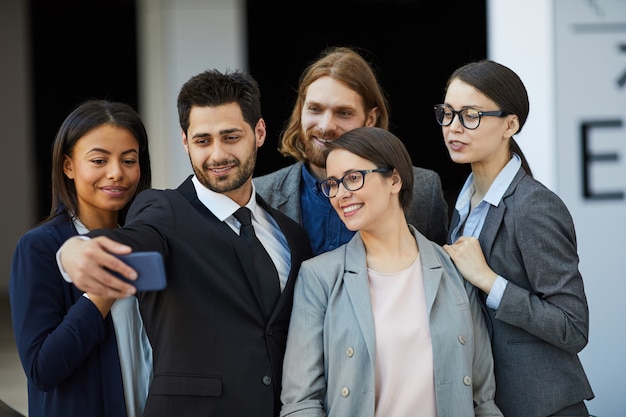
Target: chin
(458,158)
(352,226)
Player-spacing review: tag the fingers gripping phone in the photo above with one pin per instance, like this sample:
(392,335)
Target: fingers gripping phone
(150,270)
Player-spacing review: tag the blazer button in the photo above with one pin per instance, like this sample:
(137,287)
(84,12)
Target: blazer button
(350,352)
(467,380)
(462,339)
(267,380)
(345,392)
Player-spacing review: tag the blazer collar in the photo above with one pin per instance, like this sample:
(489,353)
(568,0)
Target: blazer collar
(496,215)
(289,185)
(357,283)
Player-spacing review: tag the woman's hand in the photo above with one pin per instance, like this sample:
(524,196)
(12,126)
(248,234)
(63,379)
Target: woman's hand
(468,257)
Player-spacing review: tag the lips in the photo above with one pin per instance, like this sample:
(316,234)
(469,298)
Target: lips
(115,189)
(321,141)
(221,170)
(351,208)
(455,145)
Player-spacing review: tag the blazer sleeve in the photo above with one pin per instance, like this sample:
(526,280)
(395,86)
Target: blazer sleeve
(555,307)
(148,223)
(55,327)
(484,382)
(304,385)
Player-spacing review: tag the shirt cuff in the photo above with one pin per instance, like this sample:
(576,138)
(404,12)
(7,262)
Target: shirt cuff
(495,295)
(64,274)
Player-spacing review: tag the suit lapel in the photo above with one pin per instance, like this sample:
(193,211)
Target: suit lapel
(290,187)
(431,268)
(356,282)
(495,216)
(189,193)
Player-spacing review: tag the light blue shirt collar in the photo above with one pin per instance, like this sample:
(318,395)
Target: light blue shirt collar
(473,222)
(497,188)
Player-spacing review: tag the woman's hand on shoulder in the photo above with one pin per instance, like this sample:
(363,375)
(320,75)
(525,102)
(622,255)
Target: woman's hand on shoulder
(468,257)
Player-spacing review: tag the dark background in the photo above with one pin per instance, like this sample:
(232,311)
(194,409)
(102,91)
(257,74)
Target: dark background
(80,49)
(88,49)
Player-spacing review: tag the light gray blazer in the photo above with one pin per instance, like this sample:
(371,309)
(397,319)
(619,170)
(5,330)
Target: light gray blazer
(428,210)
(543,319)
(329,362)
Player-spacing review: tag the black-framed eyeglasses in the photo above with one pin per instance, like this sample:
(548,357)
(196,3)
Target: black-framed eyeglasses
(468,116)
(352,181)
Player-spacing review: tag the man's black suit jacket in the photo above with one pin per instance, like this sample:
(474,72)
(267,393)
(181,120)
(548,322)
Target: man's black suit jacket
(215,351)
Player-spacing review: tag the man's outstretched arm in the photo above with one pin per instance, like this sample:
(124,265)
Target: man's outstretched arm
(84,262)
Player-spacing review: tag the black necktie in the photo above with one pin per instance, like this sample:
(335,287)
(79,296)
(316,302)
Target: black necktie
(263,265)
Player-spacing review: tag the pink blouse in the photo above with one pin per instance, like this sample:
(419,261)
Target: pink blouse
(404,356)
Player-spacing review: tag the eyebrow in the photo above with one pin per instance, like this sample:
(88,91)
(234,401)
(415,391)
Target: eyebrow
(348,171)
(109,152)
(221,132)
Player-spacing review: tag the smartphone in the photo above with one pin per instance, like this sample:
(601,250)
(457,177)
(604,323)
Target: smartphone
(150,270)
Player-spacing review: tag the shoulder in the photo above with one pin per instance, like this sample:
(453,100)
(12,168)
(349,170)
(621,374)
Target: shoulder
(433,255)
(56,228)
(281,172)
(327,260)
(424,172)
(327,266)
(423,176)
(271,179)
(185,189)
(530,195)
(53,231)
(536,211)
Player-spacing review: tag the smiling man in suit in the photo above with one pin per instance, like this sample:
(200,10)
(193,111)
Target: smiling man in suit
(217,350)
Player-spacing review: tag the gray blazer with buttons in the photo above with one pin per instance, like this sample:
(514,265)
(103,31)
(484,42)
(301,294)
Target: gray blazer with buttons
(330,356)
(543,319)
(428,211)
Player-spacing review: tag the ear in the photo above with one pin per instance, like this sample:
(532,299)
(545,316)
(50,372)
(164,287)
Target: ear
(68,167)
(260,132)
(372,117)
(512,125)
(396,181)
(184,140)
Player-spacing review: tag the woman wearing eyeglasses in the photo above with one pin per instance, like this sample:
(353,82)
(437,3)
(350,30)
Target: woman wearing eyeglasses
(514,240)
(384,325)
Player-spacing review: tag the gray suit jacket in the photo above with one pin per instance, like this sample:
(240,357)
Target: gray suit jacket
(543,319)
(428,211)
(332,316)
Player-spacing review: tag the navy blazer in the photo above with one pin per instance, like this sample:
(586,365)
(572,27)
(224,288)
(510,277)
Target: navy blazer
(543,319)
(69,354)
(215,351)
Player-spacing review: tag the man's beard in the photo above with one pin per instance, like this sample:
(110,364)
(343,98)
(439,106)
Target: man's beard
(230,182)
(314,150)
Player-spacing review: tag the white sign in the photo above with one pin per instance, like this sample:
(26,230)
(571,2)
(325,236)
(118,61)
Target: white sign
(590,109)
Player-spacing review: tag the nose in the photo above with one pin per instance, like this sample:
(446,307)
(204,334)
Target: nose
(342,191)
(456,122)
(116,171)
(327,122)
(218,151)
